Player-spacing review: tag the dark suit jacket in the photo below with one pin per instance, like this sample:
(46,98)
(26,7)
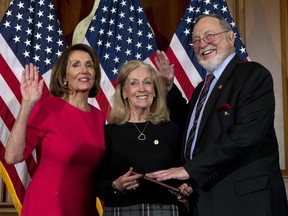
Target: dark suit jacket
(235,166)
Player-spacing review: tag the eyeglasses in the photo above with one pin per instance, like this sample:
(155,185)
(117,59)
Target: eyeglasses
(209,38)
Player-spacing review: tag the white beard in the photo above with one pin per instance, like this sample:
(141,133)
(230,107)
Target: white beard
(212,65)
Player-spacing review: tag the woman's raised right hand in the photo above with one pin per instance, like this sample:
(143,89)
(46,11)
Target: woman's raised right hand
(31,88)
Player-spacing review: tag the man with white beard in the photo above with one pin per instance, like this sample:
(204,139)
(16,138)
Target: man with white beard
(230,150)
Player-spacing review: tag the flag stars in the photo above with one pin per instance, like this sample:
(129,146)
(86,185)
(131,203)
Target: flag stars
(60,42)
(49,28)
(149,35)
(40,13)
(140,10)
(131,19)
(92,29)
(38,36)
(103,20)
(28,31)
(18,27)
(41,2)
(130,30)
(58,53)
(188,20)
(138,56)
(119,37)
(49,39)
(215,6)
(242,50)
(19,16)
(122,15)
(113,10)
(129,40)
(132,8)
(101,31)
(123,3)
(106,56)
(9,13)
(30,20)
(118,48)
(107,45)
(48,50)
(39,25)
(140,33)
(37,47)
(104,9)
(207,2)
(27,42)
(149,47)
(47,61)
(20,5)
(138,45)
(224,9)
(120,25)
(109,33)
(36,58)
(186,32)
(114,71)
(31,9)
(99,43)
(51,6)
(6,24)
(206,11)
(50,17)
(116,59)
(140,22)
(190,9)
(111,22)
(128,52)
(26,54)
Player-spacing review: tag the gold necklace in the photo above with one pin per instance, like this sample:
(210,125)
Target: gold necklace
(141,136)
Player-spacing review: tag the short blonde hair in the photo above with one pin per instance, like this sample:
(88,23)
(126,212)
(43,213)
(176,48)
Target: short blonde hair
(121,112)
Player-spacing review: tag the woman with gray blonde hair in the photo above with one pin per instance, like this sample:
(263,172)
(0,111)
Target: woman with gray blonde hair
(158,111)
(139,138)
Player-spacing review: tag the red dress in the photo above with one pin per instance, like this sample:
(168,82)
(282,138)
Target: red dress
(71,144)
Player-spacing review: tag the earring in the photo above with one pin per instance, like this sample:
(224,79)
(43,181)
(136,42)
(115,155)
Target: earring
(124,97)
(65,83)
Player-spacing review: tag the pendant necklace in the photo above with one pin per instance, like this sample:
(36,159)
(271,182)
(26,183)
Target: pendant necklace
(141,136)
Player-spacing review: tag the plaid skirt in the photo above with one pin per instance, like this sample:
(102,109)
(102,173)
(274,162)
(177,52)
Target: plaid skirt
(142,210)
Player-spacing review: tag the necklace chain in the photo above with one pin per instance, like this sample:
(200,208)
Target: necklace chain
(141,136)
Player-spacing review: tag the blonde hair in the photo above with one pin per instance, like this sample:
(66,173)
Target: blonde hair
(120,113)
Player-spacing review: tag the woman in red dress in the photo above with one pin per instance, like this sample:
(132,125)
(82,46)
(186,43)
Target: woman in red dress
(66,131)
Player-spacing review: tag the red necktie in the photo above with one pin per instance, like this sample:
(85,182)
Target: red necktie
(201,100)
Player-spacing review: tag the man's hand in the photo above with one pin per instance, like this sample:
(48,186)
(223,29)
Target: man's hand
(166,70)
(172,173)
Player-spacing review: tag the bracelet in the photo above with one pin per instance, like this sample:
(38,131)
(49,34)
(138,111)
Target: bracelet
(116,191)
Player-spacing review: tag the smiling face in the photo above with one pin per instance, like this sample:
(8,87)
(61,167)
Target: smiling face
(211,55)
(80,73)
(139,90)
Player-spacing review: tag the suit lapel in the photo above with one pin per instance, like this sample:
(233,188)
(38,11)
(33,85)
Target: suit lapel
(218,88)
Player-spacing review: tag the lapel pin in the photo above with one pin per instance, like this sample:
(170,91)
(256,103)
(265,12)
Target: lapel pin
(220,86)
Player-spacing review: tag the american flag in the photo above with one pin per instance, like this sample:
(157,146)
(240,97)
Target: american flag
(188,72)
(29,32)
(119,32)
